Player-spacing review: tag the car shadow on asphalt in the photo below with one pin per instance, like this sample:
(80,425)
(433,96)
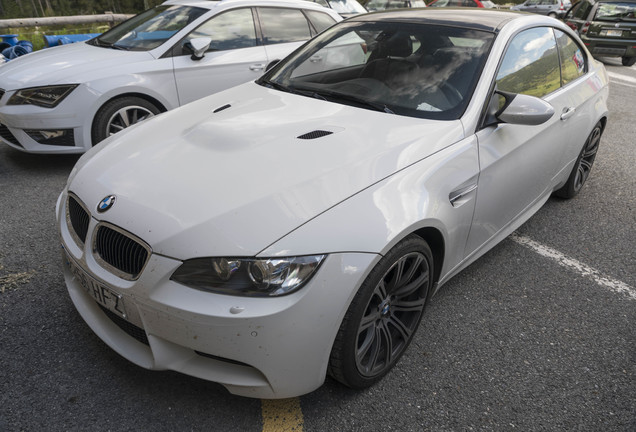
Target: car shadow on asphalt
(52,164)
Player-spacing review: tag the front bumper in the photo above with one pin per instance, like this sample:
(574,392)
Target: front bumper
(256,347)
(19,124)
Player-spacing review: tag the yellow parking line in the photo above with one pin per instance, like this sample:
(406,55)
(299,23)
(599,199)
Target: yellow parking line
(282,415)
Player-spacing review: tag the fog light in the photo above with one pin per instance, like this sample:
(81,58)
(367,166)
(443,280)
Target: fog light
(57,137)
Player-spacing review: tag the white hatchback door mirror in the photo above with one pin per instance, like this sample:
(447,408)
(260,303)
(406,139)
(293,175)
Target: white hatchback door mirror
(198,47)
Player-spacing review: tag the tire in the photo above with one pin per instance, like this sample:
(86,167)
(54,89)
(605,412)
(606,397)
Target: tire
(552,14)
(385,313)
(117,114)
(583,165)
(628,61)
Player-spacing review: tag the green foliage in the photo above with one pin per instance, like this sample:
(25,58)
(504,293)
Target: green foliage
(40,8)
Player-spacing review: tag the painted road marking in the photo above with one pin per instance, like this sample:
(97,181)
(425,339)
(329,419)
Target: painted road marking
(627,80)
(579,267)
(282,415)
(285,415)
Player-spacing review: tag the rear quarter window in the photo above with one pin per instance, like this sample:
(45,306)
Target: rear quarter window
(282,25)
(573,61)
(321,21)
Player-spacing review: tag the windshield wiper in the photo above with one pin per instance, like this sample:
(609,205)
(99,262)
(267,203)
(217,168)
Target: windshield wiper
(98,42)
(275,85)
(326,95)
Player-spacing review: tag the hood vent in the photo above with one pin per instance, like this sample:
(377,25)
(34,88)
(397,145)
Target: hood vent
(221,108)
(315,134)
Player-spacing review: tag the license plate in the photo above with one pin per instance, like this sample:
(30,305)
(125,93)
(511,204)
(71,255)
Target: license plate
(612,33)
(103,295)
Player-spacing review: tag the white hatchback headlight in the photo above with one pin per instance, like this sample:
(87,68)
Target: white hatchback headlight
(248,276)
(47,97)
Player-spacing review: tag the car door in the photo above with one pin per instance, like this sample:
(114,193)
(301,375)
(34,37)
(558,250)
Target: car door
(236,55)
(518,163)
(547,6)
(529,6)
(576,16)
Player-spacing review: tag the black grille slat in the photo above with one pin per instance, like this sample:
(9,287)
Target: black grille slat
(6,134)
(120,251)
(79,218)
(129,328)
(315,134)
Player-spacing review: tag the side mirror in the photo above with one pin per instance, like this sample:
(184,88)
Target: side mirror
(197,47)
(519,109)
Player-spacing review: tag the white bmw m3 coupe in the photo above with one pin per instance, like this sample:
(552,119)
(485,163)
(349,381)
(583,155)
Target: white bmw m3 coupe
(296,226)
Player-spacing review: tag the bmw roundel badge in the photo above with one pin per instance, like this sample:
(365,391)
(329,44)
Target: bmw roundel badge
(106,203)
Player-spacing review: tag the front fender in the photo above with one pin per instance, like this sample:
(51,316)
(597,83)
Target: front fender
(378,217)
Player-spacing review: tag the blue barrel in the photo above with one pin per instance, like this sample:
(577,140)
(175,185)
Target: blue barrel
(11,39)
(21,48)
(55,40)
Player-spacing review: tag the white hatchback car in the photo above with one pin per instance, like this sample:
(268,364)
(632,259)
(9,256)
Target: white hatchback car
(284,228)
(68,98)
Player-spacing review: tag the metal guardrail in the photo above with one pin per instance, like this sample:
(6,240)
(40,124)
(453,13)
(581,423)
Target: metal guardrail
(110,19)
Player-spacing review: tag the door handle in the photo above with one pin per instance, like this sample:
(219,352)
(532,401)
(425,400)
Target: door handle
(257,67)
(567,113)
(315,59)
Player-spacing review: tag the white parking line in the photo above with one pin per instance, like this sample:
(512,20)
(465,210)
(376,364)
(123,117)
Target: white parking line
(579,267)
(622,79)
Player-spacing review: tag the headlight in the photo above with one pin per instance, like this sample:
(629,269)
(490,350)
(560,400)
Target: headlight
(47,97)
(248,277)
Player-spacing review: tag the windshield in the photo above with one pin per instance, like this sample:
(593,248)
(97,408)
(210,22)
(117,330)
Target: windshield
(347,6)
(417,70)
(616,12)
(149,29)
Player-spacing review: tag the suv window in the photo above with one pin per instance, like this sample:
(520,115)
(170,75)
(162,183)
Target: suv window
(531,64)
(573,63)
(616,12)
(282,25)
(233,29)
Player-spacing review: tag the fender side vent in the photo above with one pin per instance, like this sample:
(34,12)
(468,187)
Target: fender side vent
(315,134)
(224,107)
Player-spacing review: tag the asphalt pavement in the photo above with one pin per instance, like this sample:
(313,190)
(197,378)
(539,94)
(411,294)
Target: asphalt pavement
(520,340)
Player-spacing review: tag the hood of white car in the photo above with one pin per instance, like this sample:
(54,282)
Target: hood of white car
(229,174)
(72,63)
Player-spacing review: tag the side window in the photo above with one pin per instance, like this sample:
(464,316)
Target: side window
(573,63)
(321,21)
(282,25)
(230,30)
(531,64)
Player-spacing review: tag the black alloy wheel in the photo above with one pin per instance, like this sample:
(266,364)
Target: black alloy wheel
(384,315)
(583,165)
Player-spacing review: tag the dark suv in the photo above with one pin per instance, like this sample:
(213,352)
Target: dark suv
(607,27)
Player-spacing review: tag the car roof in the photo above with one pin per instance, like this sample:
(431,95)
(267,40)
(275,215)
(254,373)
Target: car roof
(212,4)
(478,19)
